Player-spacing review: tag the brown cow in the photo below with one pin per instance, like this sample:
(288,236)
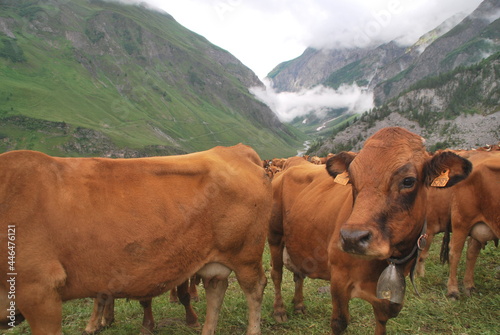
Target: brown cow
(317,224)
(131,228)
(278,162)
(103,312)
(438,221)
(475,211)
(316,160)
(293,161)
(488,147)
(439,218)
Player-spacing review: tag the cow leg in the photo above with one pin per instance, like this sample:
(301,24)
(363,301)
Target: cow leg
(39,300)
(298,297)
(457,244)
(383,310)
(148,321)
(340,304)
(279,313)
(7,315)
(381,321)
(193,291)
(423,256)
(108,316)
(173,295)
(185,299)
(42,308)
(215,290)
(473,250)
(252,281)
(94,324)
(102,314)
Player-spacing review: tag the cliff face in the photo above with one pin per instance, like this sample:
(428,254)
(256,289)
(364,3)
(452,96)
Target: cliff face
(313,67)
(333,67)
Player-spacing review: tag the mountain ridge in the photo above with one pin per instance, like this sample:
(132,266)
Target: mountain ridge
(129,73)
(464,44)
(446,58)
(459,109)
(460,40)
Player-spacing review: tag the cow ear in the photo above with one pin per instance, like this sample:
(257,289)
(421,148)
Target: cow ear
(445,169)
(337,166)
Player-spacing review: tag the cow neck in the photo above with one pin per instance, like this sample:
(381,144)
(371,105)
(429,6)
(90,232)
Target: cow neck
(415,253)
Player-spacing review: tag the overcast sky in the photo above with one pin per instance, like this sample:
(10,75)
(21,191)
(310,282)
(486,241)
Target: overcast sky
(264,33)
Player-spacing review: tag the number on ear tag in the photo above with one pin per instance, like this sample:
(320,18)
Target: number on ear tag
(441,180)
(342,179)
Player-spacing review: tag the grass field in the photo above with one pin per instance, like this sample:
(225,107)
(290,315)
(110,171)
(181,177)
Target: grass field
(431,313)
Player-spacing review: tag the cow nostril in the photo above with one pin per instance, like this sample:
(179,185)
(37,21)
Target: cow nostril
(365,237)
(355,241)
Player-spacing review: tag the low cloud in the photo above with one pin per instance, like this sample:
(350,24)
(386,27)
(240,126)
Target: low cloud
(360,23)
(288,105)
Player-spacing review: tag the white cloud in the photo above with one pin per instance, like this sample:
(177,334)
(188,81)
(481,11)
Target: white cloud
(360,22)
(288,105)
(264,33)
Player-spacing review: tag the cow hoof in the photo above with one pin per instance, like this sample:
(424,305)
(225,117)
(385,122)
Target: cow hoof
(194,325)
(280,317)
(420,273)
(470,291)
(300,309)
(93,331)
(145,331)
(453,296)
(338,326)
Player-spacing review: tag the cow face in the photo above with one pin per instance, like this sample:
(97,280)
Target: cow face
(389,178)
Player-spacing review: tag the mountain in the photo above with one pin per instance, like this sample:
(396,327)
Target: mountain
(332,67)
(90,77)
(471,40)
(396,67)
(444,86)
(388,69)
(459,109)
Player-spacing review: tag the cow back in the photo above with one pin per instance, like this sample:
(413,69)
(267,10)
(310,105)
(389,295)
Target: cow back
(132,227)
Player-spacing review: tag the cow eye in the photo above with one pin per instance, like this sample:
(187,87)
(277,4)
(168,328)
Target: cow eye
(409,182)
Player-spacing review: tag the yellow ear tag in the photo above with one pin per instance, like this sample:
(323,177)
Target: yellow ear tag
(441,180)
(342,179)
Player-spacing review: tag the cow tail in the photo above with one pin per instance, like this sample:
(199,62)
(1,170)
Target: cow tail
(444,255)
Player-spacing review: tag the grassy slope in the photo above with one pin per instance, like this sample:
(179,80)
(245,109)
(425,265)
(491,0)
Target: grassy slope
(432,313)
(134,103)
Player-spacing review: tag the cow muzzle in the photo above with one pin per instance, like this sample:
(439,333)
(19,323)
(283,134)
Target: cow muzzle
(355,241)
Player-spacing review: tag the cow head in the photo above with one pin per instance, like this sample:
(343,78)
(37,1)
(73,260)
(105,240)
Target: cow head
(389,178)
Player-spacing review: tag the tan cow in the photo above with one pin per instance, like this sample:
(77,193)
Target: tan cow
(442,217)
(293,161)
(475,211)
(348,229)
(438,221)
(130,228)
(316,160)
